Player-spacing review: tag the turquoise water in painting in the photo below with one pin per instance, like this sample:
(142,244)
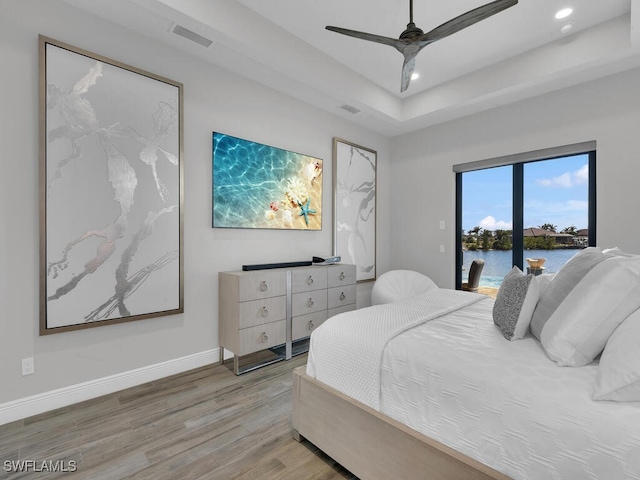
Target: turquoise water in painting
(250,181)
(497,263)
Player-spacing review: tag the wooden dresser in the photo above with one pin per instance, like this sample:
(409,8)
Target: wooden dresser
(277,309)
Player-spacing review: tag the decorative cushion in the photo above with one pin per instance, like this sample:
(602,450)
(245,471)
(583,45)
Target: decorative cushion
(618,376)
(584,303)
(397,285)
(515,302)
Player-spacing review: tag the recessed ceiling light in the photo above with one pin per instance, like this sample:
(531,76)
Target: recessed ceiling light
(566,28)
(564,13)
(415,76)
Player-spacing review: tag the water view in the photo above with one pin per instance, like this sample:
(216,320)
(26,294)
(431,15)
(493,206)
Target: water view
(553,211)
(497,263)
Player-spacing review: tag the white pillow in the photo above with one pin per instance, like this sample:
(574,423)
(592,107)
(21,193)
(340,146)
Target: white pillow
(544,280)
(584,303)
(618,376)
(617,251)
(563,282)
(515,302)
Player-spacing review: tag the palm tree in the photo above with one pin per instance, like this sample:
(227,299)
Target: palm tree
(572,230)
(487,240)
(549,227)
(475,231)
(503,240)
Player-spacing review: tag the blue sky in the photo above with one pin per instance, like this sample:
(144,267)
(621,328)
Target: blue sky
(555,191)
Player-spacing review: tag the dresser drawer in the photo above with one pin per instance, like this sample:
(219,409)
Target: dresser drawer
(308,302)
(345,308)
(262,285)
(262,337)
(303,325)
(341,275)
(341,296)
(308,279)
(258,312)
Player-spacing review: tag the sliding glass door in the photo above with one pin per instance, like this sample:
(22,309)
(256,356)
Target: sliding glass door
(555,211)
(487,223)
(535,214)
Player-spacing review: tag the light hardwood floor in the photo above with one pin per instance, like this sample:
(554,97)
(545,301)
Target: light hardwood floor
(202,424)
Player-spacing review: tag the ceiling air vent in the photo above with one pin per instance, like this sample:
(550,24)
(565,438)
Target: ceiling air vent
(193,36)
(350,109)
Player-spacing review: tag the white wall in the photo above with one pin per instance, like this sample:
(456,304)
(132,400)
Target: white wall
(423,184)
(215,99)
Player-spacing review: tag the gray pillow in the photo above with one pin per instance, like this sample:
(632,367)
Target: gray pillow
(515,303)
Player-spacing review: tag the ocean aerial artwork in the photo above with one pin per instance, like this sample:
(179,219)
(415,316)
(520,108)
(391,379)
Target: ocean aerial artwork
(259,186)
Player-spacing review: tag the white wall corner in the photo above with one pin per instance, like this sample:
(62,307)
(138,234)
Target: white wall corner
(62,397)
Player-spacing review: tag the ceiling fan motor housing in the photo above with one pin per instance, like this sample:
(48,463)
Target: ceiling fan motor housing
(411,31)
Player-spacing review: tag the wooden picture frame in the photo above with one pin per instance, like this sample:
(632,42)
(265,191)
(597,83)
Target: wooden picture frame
(354,207)
(111,187)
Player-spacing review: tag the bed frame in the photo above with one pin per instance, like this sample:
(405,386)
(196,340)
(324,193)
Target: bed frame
(372,445)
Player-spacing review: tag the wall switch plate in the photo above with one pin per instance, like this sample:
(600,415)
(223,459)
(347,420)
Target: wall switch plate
(28,366)
(441,248)
(441,224)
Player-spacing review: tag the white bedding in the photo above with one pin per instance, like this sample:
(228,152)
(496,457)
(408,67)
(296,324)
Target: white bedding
(361,340)
(457,380)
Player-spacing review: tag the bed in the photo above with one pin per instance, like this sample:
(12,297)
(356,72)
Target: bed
(429,388)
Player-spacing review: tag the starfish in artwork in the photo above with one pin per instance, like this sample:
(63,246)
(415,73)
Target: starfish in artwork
(306,211)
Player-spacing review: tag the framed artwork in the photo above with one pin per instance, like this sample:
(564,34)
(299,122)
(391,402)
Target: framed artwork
(259,186)
(354,187)
(111,186)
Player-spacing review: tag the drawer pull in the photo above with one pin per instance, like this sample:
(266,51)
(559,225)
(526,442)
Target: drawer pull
(310,303)
(310,281)
(264,287)
(311,326)
(264,338)
(342,296)
(265,312)
(342,276)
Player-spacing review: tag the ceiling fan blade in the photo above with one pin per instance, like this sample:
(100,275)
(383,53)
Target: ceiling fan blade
(412,40)
(466,20)
(393,42)
(407,70)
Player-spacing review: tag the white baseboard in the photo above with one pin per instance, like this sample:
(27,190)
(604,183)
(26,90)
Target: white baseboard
(62,397)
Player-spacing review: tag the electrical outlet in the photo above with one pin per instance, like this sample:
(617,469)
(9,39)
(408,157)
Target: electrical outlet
(441,224)
(28,366)
(441,248)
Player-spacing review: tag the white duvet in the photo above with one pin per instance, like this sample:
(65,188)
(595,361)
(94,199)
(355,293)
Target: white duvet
(362,338)
(457,380)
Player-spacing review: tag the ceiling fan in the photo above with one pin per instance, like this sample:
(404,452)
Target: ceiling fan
(413,39)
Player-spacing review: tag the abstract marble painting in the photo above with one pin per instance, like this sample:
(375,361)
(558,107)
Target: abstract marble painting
(354,237)
(111,186)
